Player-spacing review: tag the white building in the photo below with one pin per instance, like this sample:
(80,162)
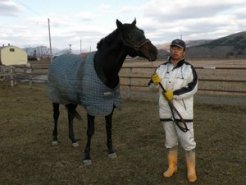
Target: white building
(12,55)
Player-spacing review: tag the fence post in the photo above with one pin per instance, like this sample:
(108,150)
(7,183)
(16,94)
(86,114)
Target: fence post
(2,73)
(129,83)
(30,77)
(12,78)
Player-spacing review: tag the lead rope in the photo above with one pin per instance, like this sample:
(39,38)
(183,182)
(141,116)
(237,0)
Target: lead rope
(173,108)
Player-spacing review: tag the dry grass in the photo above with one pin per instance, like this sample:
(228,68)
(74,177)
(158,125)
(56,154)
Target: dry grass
(27,157)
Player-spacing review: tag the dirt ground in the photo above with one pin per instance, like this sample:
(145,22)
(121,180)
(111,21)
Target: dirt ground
(28,158)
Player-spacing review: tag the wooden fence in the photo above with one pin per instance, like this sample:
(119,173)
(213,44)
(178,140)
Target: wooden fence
(230,80)
(36,73)
(211,79)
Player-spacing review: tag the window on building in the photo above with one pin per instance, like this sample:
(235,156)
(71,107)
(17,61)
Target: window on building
(12,49)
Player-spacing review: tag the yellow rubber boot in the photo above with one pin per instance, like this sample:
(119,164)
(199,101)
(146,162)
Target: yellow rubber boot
(191,166)
(172,163)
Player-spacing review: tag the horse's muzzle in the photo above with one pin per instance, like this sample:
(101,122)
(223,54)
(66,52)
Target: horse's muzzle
(152,52)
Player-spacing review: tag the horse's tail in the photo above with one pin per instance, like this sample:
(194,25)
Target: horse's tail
(71,108)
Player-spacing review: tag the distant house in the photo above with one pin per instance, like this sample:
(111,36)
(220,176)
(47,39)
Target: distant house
(12,55)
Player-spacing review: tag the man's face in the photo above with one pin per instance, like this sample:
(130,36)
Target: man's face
(177,53)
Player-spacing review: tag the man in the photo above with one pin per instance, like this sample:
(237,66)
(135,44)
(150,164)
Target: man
(179,80)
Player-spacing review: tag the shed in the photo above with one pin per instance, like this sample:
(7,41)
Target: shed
(12,55)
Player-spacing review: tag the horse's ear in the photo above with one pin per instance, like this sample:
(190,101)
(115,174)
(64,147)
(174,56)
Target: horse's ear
(134,22)
(119,24)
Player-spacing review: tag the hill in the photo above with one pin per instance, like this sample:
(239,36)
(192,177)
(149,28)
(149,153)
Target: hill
(231,46)
(189,43)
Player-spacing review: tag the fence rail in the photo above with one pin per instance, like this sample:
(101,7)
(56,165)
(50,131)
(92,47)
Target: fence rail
(24,73)
(134,77)
(240,84)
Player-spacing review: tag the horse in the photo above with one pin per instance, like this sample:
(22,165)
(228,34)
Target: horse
(74,80)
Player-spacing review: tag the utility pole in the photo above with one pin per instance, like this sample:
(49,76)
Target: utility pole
(80,44)
(50,38)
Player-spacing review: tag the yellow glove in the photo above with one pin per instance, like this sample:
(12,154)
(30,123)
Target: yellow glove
(155,79)
(168,95)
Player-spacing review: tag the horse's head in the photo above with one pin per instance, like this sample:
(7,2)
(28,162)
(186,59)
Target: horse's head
(135,41)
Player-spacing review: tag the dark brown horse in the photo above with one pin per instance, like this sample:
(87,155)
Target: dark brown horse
(72,83)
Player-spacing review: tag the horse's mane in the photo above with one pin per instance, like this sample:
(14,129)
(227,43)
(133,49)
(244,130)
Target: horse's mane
(107,41)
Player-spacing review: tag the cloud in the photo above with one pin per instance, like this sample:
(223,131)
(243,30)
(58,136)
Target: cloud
(9,8)
(185,9)
(162,21)
(193,19)
(85,16)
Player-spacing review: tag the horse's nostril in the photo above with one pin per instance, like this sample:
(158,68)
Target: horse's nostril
(153,56)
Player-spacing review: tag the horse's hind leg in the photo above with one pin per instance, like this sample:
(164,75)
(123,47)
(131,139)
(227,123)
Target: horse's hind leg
(56,114)
(71,109)
(90,132)
(108,120)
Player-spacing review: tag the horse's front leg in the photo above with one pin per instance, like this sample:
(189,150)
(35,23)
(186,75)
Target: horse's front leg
(56,114)
(71,109)
(90,132)
(108,120)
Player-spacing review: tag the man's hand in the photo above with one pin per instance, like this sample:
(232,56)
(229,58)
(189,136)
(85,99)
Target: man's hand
(168,95)
(155,79)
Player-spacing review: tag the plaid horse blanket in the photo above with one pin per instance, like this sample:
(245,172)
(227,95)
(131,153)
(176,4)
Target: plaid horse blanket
(73,79)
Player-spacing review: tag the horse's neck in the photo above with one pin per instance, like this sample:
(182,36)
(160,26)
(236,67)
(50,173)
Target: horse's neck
(108,65)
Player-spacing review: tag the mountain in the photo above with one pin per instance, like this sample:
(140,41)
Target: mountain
(164,46)
(238,40)
(162,54)
(189,43)
(231,46)
(39,51)
(193,43)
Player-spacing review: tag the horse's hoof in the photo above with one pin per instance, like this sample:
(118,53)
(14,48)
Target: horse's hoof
(87,162)
(54,143)
(112,155)
(76,144)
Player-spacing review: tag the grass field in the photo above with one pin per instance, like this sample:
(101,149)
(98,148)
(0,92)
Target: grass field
(28,158)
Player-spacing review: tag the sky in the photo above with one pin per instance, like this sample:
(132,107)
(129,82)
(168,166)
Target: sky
(80,24)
